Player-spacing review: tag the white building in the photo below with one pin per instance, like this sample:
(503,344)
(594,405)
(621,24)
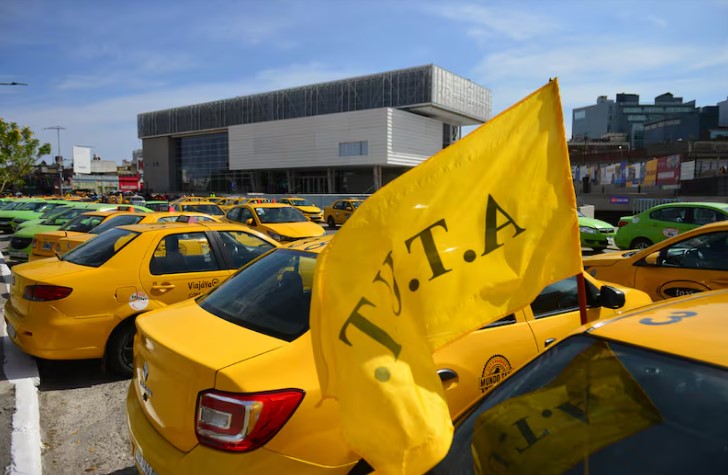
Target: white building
(347,136)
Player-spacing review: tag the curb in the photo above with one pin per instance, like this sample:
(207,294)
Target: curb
(22,372)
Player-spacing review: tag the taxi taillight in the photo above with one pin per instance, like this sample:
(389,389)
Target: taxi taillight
(44,293)
(241,422)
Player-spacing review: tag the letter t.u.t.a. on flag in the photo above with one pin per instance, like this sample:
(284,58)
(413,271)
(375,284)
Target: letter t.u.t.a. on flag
(468,236)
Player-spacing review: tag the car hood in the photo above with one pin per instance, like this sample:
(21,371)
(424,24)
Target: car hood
(594,223)
(296,230)
(309,209)
(178,352)
(608,259)
(30,231)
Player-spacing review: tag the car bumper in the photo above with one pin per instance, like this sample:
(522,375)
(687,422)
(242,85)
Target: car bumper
(597,240)
(154,455)
(19,255)
(55,336)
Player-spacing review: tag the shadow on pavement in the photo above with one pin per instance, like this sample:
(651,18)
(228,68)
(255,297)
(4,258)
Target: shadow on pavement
(55,375)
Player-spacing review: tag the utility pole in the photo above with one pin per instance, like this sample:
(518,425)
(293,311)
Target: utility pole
(59,157)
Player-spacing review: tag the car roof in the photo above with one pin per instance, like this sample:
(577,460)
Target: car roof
(264,205)
(694,327)
(196,227)
(681,204)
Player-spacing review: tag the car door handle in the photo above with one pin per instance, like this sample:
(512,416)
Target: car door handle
(163,287)
(447,375)
(548,342)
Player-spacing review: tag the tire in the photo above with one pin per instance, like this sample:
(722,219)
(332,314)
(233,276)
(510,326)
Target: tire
(598,249)
(640,243)
(331,223)
(119,358)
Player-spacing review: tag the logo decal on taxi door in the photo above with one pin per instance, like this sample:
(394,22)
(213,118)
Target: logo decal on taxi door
(496,369)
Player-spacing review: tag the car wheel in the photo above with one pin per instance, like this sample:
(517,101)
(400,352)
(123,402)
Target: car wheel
(640,243)
(331,222)
(119,358)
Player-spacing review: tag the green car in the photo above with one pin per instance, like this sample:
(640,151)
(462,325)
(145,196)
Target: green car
(664,221)
(594,233)
(23,205)
(22,241)
(33,210)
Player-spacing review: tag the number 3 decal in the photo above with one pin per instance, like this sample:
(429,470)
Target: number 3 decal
(673,318)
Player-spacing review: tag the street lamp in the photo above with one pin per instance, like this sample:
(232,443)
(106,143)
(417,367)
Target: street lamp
(59,159)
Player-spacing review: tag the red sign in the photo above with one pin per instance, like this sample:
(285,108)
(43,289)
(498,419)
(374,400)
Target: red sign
(129,182)
(668,170)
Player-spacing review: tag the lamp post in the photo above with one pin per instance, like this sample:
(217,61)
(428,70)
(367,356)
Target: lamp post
(59,159)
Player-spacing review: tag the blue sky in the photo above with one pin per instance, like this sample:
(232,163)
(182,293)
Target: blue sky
(93,66)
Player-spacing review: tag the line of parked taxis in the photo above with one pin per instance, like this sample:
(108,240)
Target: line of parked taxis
(198,312)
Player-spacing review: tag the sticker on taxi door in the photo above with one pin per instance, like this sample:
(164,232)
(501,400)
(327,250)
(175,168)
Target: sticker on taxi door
(138,300)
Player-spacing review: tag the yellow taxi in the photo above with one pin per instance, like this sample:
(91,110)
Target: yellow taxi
(228,380)
(694,261)
(91,224)
(280,221)
(340,210)
(46,244)
(230,201)
(309,210)
(83,304)
(641,393)
(202,206)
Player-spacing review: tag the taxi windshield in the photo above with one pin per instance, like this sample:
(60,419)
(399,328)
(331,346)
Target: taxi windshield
(594,406)
(210,209)
(300,202)
(271,296)
(62,218)
(95,252)
(280,215)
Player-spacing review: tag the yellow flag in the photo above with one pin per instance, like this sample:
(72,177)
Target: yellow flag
(466,237)
(591,404)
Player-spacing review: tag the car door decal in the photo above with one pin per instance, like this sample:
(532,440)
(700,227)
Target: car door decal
(495,370)
(677,288)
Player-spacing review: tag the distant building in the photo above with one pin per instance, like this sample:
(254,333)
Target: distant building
(683,127)
(347,136)
(626,115)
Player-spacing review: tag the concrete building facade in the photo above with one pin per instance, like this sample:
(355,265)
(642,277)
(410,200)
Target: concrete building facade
(347,136)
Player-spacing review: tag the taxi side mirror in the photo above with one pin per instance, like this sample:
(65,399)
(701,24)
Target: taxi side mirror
(250,222)
(610,297)
(653,259)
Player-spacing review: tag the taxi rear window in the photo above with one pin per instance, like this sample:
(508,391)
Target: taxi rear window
(271,296)
(95,252)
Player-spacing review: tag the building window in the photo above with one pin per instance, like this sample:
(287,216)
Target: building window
(352,149)
(578,115)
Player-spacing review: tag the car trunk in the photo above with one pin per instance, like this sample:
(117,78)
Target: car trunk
(178,352)
(38,272)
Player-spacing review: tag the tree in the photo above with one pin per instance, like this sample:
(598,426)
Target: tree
(19,151)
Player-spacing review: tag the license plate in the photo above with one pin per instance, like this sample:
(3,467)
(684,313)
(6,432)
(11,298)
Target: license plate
(18,254)
(11,331)
(143,464)
(610,241)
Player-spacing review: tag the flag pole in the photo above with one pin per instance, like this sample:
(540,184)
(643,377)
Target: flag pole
(581,288)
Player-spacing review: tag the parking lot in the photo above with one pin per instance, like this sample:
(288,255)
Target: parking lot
(82,417)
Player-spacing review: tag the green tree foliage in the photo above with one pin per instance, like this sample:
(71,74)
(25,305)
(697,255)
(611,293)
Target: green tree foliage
(19,151)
